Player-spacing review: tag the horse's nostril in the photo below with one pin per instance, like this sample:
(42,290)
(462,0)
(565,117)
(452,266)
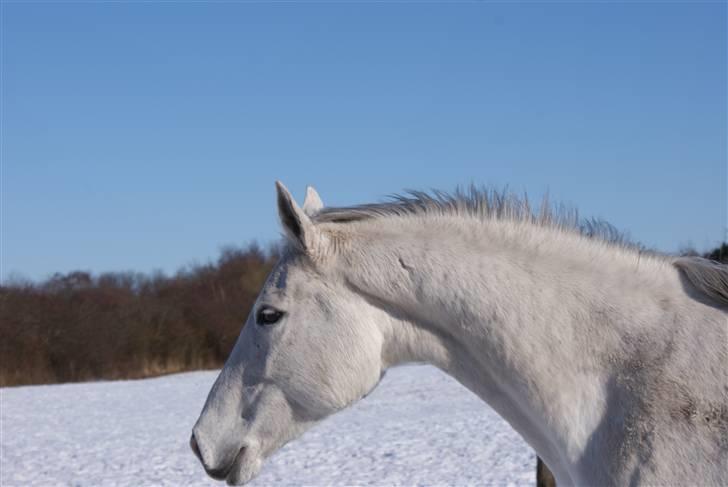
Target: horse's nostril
(195,448)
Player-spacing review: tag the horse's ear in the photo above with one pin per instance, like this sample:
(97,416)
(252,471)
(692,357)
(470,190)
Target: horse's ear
(296,223)
(312,204)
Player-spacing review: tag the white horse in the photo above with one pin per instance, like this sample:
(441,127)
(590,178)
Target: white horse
(610,362)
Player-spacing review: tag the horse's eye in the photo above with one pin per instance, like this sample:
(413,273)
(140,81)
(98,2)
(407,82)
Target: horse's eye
(268,316)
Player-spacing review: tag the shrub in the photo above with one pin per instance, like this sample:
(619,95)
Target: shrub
(76,327)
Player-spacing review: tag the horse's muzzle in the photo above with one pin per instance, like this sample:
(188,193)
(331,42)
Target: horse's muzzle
(217,472)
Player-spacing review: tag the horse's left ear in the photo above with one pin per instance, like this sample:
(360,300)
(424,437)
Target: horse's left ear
(297,225)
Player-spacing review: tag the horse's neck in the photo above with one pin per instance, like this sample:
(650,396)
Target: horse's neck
(529,335)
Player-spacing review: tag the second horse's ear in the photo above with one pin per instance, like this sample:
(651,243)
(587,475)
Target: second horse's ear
(296,224)
(312,204)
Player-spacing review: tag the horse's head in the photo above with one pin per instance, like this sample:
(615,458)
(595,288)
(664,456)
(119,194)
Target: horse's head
(309,348)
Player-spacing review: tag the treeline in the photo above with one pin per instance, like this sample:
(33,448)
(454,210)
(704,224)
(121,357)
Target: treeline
(77,327)
(719,254)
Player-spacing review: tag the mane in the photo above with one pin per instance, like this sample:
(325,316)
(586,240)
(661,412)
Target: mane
(482,203)
(708,277)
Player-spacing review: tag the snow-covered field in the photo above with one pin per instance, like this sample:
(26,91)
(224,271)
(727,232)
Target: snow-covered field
(419,427)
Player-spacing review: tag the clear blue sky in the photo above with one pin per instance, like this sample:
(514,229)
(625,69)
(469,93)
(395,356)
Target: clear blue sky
(145,136)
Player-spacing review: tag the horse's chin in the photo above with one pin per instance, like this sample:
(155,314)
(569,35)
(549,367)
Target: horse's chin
(245,468)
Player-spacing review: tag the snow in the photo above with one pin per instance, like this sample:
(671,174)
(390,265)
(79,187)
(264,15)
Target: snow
(419,427)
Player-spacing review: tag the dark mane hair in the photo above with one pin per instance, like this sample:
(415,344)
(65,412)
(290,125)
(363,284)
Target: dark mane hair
(484,203)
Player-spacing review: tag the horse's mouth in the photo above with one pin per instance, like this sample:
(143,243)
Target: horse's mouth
(220,473)
(223,473)
(226,473)
(236,473)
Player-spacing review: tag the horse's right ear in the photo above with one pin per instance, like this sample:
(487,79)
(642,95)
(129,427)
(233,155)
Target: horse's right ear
(297,226)
(312,204)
